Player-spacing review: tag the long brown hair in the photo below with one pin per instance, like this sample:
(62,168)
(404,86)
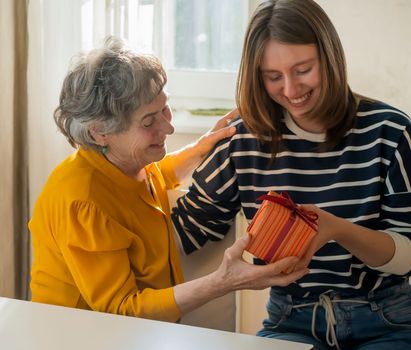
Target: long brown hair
(294,22)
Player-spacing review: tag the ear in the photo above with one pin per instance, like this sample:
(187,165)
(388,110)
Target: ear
(101,139)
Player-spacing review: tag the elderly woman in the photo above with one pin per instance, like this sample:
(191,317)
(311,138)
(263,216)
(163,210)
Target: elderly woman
(102,235)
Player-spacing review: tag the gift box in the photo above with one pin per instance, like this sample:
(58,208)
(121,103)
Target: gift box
(280,228)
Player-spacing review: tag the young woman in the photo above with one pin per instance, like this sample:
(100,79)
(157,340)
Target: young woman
(342,155)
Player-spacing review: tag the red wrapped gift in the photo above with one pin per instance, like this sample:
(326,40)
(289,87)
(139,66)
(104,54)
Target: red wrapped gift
(280,228)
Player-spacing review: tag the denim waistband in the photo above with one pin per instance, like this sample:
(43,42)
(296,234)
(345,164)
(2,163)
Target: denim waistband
(375,295)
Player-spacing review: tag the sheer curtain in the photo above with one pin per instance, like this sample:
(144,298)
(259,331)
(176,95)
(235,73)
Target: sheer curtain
(55,36)
(14,240)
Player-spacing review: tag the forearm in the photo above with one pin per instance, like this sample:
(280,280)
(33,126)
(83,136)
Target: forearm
(193,294)
(186,160)
(374,248)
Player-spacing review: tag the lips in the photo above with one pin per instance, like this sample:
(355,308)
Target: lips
(158,145)
(299,100)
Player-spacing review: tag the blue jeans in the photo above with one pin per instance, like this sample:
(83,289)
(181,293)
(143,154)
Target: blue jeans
(377,322)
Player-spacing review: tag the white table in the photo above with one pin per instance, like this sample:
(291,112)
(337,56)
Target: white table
(33,326)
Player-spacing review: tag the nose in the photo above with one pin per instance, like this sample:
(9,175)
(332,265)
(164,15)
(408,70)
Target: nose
(166,125)
(290,88)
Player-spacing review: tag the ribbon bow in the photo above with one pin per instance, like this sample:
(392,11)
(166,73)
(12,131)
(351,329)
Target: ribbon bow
(285,200)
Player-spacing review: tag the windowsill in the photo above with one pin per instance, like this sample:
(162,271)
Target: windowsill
(186,123)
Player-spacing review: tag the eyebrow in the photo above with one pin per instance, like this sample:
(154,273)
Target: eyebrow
(309,60)
(151,114)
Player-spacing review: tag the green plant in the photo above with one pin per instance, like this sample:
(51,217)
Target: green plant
(209,112)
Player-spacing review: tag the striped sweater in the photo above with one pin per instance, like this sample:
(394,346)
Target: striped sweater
(365,179)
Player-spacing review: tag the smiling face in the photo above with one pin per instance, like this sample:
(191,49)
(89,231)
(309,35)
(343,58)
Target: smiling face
(292,78)
(144,140)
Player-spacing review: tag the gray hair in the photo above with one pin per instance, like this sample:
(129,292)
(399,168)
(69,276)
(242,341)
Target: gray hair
(103,88)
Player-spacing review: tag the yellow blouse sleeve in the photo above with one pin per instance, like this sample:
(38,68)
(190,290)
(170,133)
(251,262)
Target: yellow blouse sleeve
(95,248)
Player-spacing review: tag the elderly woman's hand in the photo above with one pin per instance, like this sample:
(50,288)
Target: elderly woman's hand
(188,158)
(221,130)
(235,273)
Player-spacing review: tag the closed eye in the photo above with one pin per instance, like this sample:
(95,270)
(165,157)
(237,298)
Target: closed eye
(148,121)
(303,71)
(272,77)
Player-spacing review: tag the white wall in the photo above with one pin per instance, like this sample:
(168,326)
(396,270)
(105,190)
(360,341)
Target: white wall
(376,35)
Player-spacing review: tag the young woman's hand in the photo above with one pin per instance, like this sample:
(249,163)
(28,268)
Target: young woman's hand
(329,226)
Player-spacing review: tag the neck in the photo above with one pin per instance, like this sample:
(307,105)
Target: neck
(132,171)
(310,126)
(307,125)
(141,175)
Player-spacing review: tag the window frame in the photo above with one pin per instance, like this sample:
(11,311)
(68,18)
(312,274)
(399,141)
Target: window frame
(204,89)
(191,89)
(188,89)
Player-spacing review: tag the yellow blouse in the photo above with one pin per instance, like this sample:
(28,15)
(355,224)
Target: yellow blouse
(102,241)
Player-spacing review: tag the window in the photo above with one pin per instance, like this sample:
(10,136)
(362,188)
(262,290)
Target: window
(199,42)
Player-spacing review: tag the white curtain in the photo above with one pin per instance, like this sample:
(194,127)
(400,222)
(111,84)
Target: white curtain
(55,36)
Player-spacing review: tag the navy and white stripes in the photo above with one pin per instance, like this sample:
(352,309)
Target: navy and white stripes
(366,179)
